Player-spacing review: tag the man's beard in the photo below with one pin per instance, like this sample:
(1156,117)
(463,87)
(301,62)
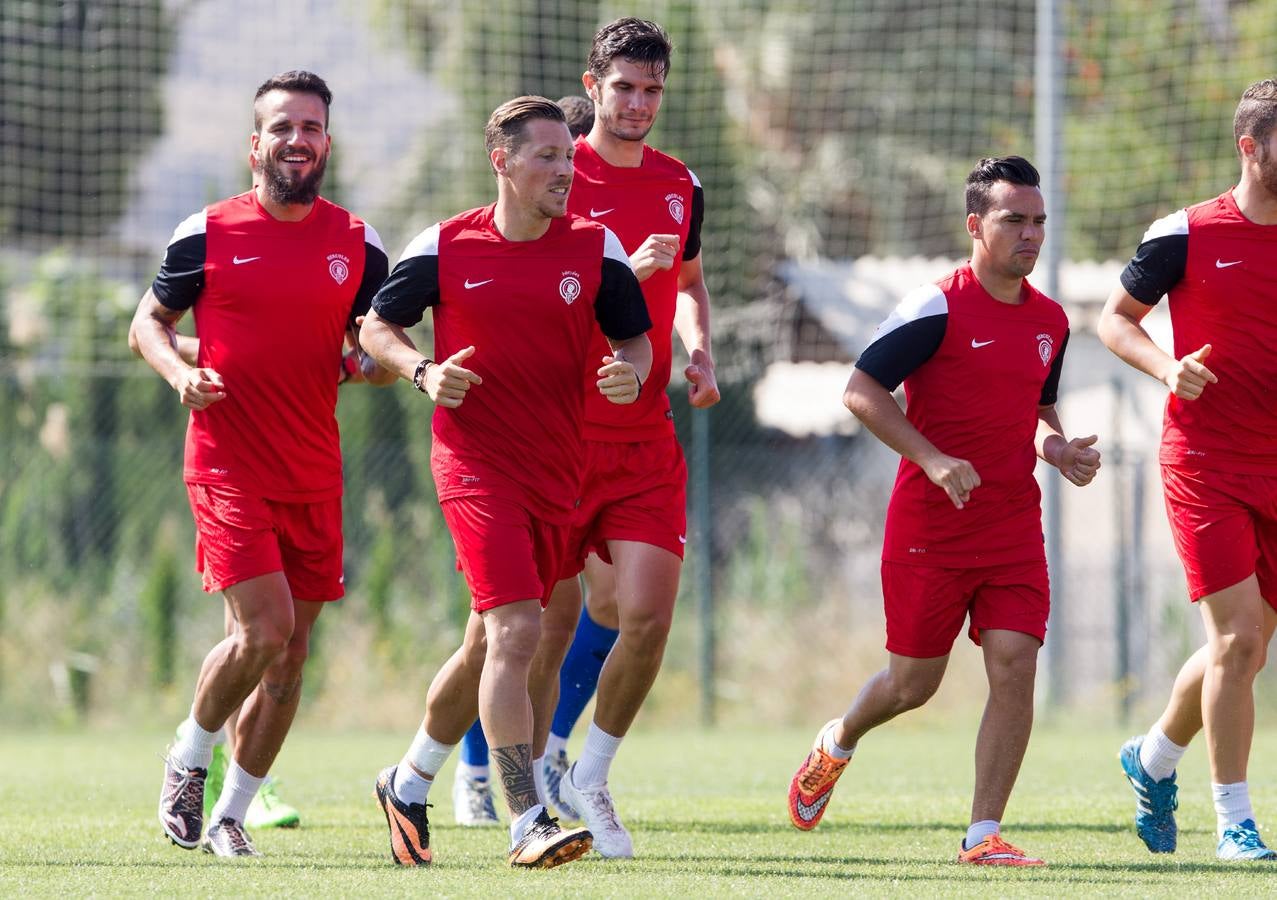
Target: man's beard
(611,124)
(289,191)
(1267,169)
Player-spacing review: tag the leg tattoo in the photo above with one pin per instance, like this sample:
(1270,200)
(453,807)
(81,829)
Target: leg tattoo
(515,765)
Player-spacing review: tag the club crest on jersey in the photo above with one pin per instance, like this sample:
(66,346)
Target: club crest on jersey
(676,207)
(339,267)
(1045,346)
(570,287)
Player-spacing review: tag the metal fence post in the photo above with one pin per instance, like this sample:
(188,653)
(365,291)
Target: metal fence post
(704,549)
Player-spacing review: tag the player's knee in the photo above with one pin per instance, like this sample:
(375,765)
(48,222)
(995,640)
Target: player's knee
(263,641)
(1241,653)
(647,629)
(515,641)
(1013,672)
(912,692)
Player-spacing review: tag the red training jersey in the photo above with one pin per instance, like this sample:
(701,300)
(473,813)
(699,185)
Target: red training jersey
(528,308)
(661,196)
(1220,272)
(272,301)
(975,372)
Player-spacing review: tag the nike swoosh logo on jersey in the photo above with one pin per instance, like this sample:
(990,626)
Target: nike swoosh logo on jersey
(595,213)
(807,813)
(682,539)
(474,284)
(247,259)
(1220,264)
(975,345)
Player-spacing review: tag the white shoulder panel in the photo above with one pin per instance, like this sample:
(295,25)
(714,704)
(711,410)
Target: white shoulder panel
(923,301)
(424,244)
(197,223)
(1175,223)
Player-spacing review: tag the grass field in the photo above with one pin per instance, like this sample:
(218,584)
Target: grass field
(77,818)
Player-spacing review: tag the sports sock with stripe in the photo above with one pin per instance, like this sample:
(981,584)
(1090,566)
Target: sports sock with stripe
(1232,805)
(831,746)
(519,824)
(193,748)
(538,779)
(579,675)
(238,791)
(417,770)
(1159,755)
(978,831)
(474,746)
(596,758)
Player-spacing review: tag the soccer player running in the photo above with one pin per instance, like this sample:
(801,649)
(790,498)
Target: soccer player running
(472,804)
(980,354)
(633,510)
(516,289)
(1217,261)
(276,276)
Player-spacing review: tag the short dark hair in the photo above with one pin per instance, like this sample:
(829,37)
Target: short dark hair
(505,126)
(637,40)
(1257,112)
(988,172)
(579,112)
(298,81)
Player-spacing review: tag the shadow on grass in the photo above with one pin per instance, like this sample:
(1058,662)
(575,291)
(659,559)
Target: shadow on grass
(859,828)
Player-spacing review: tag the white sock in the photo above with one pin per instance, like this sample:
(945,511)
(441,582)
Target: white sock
(554,745)
(978,831)
(193,748)
(832,747)
(1159,755)
(1232,805)
(520,824)
(538,779)
(417,770)
(596,758)
(469,771)
(238,791)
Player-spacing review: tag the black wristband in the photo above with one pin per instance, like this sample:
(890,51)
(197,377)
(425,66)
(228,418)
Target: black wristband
(418,377)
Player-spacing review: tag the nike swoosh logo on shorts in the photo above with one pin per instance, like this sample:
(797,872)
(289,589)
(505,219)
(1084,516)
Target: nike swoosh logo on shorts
(975,345)
(595,213)
(247,259)
(474,284)
(1220,264)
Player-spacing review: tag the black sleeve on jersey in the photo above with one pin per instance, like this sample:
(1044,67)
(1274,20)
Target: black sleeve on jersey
(898,354)
(375,268)
(411,287)
(181,277)
(1158,265)
(1051,388)
(619,307)
(693,245)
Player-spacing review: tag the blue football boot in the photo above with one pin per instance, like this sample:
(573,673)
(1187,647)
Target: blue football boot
(1242,841)
(1155,801)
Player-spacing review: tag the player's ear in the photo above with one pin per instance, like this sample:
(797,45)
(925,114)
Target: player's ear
(1246,146)
(590,82)
(973,225)
(498,158)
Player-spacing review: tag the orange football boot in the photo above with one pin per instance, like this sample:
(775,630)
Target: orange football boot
(409,826)
(993,851)
(813,783)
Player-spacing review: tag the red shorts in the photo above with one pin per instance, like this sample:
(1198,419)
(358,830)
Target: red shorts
(506,553)
(239,536)
(630,492)
(1225,528)
(926,605)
